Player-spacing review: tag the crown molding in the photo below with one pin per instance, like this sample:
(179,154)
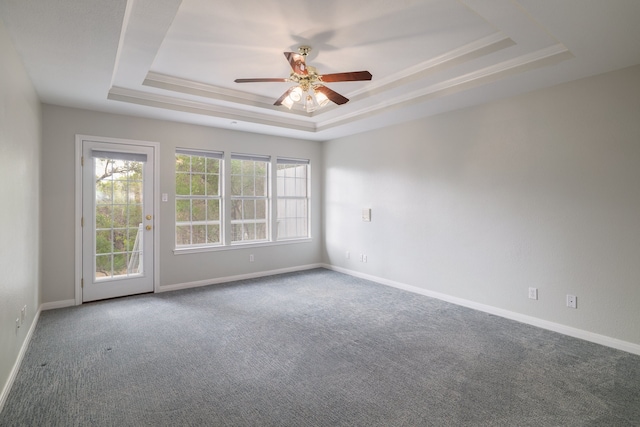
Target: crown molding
(313,123)
(543,57)
(189,106)
(481,47)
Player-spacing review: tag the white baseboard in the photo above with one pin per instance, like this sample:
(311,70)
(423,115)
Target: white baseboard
(57,304)
(530,320)
(218,280)
(534,321)
(16,366)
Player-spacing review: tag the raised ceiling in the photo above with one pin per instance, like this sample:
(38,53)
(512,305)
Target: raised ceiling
(177,59)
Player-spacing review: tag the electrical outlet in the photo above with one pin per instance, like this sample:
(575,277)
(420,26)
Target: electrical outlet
(348,255)
(23,314)
(533,293)
(572,301)
(361,258)
(17,324)
(251,258)
(364,258)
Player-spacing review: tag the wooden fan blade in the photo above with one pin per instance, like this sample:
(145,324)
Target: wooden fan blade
(352,76)
(284,95)
(260,80)
(297,63)
(332,95)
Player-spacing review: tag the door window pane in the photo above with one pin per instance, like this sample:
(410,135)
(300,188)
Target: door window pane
(118,217)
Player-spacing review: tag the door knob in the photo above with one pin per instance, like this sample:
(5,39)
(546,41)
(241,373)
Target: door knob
(148,216)
(148,227)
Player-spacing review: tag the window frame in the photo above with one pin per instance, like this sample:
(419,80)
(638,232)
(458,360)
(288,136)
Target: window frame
(242,198)
(206,197)
(284,197)
(225,197)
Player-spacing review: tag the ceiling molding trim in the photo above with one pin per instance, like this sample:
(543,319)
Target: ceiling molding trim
(197,88)
(190,87)
(543,57)
(143,30)
(123,30)
(549,55)
(481,47)
(187,106)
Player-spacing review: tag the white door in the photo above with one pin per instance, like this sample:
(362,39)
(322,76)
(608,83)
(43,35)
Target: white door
(118,220)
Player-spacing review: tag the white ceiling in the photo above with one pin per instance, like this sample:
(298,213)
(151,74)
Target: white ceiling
(177,59)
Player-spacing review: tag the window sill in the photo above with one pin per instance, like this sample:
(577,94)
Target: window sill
(200,249)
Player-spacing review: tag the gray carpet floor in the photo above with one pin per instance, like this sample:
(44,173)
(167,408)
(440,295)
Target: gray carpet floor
(314,348)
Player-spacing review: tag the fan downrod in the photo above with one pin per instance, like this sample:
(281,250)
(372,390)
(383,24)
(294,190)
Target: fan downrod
(304,50)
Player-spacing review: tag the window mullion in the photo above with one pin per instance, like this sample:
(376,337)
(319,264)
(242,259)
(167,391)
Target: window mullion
(226,200)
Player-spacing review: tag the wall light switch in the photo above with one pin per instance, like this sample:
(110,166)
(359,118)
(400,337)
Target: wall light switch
(366,214)
(165,197)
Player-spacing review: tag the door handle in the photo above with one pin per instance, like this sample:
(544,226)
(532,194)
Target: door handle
(148,227)
(149,217)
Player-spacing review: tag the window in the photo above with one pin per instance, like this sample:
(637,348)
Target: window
(198,198)
(232,199)
(249,198)
(293,199)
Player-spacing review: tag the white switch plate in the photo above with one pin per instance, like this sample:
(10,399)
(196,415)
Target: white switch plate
(366,215)
(572,301)
(533,293)
(165,197)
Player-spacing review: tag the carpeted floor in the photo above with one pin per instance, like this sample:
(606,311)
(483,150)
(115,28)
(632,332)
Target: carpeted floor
(315,348)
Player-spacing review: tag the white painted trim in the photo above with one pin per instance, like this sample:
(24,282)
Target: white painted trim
(78,227)
(177,104)
(530,320)
(123,30)
(226,279)
(78,207)
(517,65)
(156,213)
(57,304)
(16,366)
(489,44)
(200,249)
(177,84)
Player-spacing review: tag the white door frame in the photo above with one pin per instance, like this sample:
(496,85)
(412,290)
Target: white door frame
(78,206)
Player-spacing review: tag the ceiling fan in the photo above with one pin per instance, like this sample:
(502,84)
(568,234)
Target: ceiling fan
(310,89)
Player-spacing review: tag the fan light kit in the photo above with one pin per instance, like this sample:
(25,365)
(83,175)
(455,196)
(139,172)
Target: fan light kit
(310,90)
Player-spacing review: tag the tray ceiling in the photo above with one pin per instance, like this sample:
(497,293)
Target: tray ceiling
(177,59)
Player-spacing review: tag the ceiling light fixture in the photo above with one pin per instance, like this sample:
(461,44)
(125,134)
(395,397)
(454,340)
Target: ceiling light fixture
(307,94)
(310,90)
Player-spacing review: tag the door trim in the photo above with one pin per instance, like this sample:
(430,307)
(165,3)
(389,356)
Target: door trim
(78,206)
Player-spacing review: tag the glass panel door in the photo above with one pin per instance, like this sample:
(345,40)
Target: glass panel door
(118,219)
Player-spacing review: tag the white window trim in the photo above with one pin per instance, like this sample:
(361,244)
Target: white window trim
(226,244)
(213,155)
(288,160)
(239,245)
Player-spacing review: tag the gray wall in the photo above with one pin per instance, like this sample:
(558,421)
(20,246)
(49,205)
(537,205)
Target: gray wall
(540,190)
(19,203)
(61,124)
